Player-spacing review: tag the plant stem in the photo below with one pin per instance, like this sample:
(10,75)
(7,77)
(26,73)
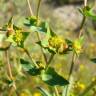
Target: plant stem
(70,72)
(29,5)
(28,54)
(85,3)
(9,68)
(81,27)
(37,15)
(38,35)
(56,91)
(49,61)
(37,12)
(73,57)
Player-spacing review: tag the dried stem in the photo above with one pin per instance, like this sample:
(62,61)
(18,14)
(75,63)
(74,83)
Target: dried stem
(85,3)
(74,56)
(29,5)
(9,68)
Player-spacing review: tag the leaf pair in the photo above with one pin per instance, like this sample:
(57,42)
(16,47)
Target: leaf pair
(49,76)
(87,12)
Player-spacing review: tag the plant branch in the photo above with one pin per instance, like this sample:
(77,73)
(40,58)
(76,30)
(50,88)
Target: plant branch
(85,3)
(29,5)
(37,12)
(56,91)
(49,61)
(81,27)
(38,35)
(9,68)
(70,72)
(28,54)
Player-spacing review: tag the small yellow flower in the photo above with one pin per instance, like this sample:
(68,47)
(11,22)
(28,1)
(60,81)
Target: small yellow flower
(58,43)
(37,94)
(94,79)
(81,66)
(79,86)
(77,47)
(23,94)
(18,36)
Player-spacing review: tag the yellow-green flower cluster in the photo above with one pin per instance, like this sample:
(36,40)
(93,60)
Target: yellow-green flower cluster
(37,94)
(18,37)
(79,86)
(77,46)
(58,43)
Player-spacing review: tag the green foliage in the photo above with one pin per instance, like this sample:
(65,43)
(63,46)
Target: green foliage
(41,68)
(88,12)
(51,77)
(30,68)
(44,92)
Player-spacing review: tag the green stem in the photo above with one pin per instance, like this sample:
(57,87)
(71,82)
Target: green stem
(70,72)
(73,57)
(37,15)
(81,27)
(38,35)
(56,91)
(9,70)
(49,61)
(28,54)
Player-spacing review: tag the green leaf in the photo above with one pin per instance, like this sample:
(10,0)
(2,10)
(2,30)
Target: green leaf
(87,11)
(9,82)
(16,28)
(25,35)
(93,60)
(52,78)
(10,22)
(31,21)
(30,68)
(44,92)
(9,25)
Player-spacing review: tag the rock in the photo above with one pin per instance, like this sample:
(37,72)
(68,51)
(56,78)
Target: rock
(66,18)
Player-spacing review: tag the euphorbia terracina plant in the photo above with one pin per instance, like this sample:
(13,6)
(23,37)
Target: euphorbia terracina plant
(51,43)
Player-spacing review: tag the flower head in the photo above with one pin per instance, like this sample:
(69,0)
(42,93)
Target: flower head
(18,37)
(58,43)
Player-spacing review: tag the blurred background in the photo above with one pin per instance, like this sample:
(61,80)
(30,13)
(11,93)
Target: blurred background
(65,20)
